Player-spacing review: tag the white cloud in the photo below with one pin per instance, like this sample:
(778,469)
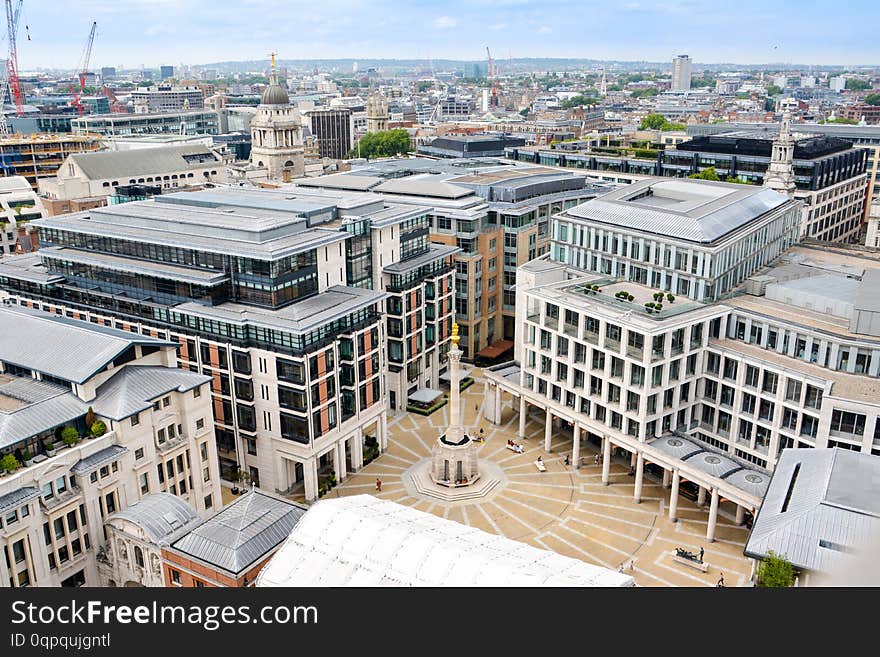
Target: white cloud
(445,22)
(545,29)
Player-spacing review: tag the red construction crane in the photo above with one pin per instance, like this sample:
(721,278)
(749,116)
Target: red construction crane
(493,102)
(12,61)
(87,55)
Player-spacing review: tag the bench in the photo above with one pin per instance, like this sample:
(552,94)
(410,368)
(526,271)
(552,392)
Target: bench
(540,465)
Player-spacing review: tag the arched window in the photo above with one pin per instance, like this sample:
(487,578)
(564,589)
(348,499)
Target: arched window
(289,163)
(138,556)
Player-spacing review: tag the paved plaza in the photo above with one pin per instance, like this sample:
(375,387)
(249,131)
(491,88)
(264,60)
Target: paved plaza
(565,510)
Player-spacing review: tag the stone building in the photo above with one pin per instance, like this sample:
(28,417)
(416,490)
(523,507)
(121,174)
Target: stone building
(276,134)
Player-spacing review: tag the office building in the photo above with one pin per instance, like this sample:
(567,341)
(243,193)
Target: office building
(150,432)
(496,213)
(707,392)
(166,72)
(108,73)
(860,136)
(19,204)
(862,112)
(279,296)
(470,146)
(681,73)
(332,127)
(39,155)
(164,98)
(205,122)
(830,174)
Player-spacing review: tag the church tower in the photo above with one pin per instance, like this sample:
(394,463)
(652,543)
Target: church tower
(377,113)
(276,133)
(780,173)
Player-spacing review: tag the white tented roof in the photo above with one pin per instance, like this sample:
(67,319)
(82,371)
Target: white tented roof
(366,541)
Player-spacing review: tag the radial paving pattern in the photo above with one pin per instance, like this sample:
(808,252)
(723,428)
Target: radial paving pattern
(568,511)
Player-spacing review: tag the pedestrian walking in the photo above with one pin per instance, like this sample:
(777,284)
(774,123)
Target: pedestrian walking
(378,484)
(701,555)
(720,583)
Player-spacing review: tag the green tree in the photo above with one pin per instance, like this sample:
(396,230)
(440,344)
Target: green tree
(577,101)
(774,90)
(653,122)
(645,93)
(775,571)
(857,85)
(706,174)
(69,436)
(872,99)
(9,463)
(98,428)
(382,144)
(840,119)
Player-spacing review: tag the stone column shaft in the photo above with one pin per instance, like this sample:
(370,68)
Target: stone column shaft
(673,496)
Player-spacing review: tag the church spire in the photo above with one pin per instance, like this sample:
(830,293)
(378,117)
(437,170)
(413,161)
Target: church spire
(780,173)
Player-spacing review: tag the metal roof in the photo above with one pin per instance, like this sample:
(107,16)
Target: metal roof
(99,458)
(676,446)
(362,540)
(104,165)
(62,347)
(160,515)
(31,407)
(196,276)
(18,498)
(867,296)
(691,210)
(820,510)
(423,185)
(132,389)
(243,532)
(435,252)
(301,317)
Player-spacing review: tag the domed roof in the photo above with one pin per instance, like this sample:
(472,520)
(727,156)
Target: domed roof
(275,94)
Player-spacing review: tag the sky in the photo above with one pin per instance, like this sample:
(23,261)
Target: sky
(153,32)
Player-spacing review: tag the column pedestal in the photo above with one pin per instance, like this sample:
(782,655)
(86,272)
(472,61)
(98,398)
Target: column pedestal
(673,496)
(606,461)
(713,516)
(548,431)
(640,472)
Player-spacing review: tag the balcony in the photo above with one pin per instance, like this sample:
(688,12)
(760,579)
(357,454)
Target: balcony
(570,329)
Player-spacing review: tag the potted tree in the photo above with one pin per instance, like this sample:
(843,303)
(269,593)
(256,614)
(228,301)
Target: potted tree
(9,464)
(670,297)
(70,436)
(98,428)
(244,477)
(27,458)
(49,446)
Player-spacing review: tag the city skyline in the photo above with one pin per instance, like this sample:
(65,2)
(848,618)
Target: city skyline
(132,32)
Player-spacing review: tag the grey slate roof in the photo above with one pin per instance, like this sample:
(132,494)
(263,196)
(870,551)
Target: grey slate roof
(104,165)
(69,349)
(30,407)
(131,390)
(716,465)
(692,210)
(99,458)
(17,498)
(160,515)
(868,295)
(243,532)
(833,508)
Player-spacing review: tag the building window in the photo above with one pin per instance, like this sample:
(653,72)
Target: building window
(175,577)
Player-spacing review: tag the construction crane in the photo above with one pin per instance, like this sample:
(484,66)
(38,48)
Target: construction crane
(86,56)
(493,82)
(9,84)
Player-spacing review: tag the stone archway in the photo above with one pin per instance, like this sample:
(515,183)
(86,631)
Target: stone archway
(131,584)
